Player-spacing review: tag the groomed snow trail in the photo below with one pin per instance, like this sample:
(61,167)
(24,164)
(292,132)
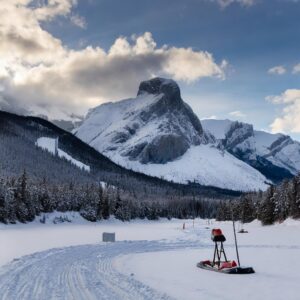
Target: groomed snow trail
(81,272)
(91,271)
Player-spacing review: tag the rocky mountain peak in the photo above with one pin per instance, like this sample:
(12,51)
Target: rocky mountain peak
(160,85)
(168,88)
(170,103)
(155,127)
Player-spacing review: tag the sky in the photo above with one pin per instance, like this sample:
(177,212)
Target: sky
(235,59)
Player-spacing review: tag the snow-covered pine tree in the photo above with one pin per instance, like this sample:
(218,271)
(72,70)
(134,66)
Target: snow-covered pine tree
(246,209)
(100,202)
(118,202)
(3,211)
(123,211)
(293,197)
(267,208)
(224,211)
(11,204)
(44,197)
(153,212)
(281,201)
(90,206)
(24,210)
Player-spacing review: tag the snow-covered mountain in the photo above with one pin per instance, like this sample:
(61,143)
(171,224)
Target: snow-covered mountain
(54,157)
(155,127)
(276,156)
(158,134)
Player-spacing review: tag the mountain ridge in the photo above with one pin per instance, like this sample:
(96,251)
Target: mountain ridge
(276,156)
(158,107)
(19,152)
(158,133)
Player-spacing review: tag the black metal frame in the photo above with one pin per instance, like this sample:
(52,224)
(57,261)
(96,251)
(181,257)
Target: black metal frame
(219,250)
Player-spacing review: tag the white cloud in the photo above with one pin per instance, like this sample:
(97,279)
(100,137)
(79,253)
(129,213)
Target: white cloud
(225,3)
(296,69)
(52,9)
(78,21)
(289,120)
(213,117)
(22,40)
(237,114)
(188,65)
(38,73)
(277,70)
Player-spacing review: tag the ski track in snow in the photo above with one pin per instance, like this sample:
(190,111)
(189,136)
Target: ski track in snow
(87,272)
(80,272)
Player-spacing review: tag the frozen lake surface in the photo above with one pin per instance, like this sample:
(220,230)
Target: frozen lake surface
(150,260)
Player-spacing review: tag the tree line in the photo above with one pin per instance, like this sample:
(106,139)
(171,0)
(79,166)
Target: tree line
(275,205)
(22,199)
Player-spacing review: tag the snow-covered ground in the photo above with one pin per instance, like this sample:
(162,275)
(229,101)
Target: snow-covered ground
(272,251)
(150,260)
(49,144)
(23,239)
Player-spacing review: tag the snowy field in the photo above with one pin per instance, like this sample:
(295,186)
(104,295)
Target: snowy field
(150,260)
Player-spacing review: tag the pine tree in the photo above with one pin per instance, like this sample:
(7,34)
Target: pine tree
(297,206)
(106,206)
(153,212)
(89,208)
(281,200)
(118,202)
(224,211)
(44,197)
(266,211)
(3,211)
(293,197)
(247,210)
(100,203)
(123,211)
(24,210)
(11,205)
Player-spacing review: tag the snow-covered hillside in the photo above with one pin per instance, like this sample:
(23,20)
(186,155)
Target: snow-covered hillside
(203,164)
(49,144)
(158,134)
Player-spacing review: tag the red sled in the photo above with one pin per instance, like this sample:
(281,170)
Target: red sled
(228,267)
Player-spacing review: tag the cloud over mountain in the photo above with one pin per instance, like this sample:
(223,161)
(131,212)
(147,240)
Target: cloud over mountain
(289,119)
(38,73)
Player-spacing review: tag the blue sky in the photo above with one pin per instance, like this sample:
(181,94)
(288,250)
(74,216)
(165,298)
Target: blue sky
(253,36)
